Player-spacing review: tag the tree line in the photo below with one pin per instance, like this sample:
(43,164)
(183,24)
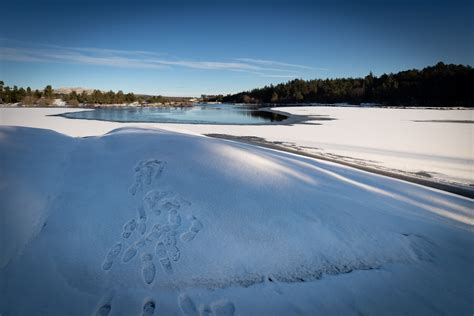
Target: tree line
(99,97)
(47,96)
(439,85)
(27,96)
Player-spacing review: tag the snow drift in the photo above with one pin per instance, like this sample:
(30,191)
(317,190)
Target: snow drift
(151,222)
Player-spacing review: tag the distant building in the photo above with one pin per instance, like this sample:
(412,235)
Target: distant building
(211,98)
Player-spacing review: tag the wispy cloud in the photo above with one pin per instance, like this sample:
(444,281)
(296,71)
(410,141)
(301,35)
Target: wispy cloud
(27,52)
(277,63)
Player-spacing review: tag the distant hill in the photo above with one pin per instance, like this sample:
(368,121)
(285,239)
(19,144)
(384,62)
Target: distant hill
(78,90)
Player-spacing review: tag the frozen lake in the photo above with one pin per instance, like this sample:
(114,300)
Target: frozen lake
(223,114)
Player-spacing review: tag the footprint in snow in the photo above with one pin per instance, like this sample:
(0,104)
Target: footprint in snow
(169,204)
(205,310)
(157,202)
(146,172)
(104,310)
(174,219)
(165,262)
(186,305)
(148,270)
(111,256)
(166,265)
(128,228)
(132,251)
(151,199)
(170,238)
(141,227)
(174,253)
(223,308)
(129,254)
(149,308)
(171,248)
(195,228)
(155,233)
(219,308)
(166,249)
(161,250)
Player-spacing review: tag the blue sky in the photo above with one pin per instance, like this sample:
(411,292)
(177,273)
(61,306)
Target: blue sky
(192,48)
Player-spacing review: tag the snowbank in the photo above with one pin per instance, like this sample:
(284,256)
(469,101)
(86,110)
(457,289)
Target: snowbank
(149,221)
(433,144)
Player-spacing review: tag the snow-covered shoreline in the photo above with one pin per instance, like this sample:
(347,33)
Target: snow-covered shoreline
(139,220)
(423,143)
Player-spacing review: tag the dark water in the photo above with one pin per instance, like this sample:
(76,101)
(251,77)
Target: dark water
(199,114)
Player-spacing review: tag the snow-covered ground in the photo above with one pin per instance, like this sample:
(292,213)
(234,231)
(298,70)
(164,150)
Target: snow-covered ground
(437,142)
(142,222)
(418,142)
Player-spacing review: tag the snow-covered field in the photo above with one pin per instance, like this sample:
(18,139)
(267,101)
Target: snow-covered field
(154,222)
(437,142)
(418,142)
(142,222)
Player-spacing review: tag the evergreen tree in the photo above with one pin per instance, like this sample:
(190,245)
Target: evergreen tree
(439,85)
(1,91)
(48,92)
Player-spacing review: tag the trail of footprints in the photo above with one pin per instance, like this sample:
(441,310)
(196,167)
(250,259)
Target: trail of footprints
(148,309)
(186,304)
(146,172)
(161,238)
(157,242)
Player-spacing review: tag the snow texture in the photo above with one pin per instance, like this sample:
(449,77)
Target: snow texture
(152,222)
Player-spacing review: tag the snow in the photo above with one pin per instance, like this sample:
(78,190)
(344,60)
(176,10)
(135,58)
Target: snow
(59,102)
(142,221)
(402,139)
(398,140)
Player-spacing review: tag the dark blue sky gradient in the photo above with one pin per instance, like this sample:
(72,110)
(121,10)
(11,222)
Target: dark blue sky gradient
(319,40)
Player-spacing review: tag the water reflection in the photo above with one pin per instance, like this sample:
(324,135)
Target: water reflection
(199,114)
